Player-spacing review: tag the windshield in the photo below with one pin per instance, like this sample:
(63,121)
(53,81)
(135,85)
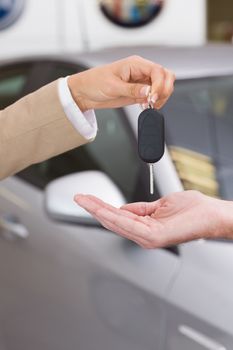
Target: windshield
(199,134)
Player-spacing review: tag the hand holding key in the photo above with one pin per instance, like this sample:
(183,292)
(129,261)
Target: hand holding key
(124,82)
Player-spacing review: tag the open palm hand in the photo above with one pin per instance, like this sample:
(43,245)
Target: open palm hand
(176,218)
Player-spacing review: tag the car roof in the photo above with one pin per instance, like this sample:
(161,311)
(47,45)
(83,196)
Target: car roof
(186,62)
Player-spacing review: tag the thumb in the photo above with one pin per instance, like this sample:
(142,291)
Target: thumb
(142,208)
(134,90)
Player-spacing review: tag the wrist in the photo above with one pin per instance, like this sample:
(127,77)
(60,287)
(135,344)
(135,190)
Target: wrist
(224,215)
(75,85)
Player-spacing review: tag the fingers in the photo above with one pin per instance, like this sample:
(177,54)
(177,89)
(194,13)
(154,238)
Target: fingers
(97,203)
(122,232)
(142,208)
(128,224)
(132,90)
(123,223)
(138,69)
(168,89)
(121,83)
(144,231)
(162,85)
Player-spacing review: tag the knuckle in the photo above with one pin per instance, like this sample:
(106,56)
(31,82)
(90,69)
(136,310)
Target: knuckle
(136,58)
(160,69)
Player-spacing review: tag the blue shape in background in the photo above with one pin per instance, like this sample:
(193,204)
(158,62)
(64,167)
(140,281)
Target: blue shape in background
(10,10)
(5,11)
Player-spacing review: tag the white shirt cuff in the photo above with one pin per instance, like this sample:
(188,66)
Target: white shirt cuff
(85,123)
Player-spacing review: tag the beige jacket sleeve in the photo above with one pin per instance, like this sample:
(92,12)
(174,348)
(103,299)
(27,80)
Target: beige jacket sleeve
(33,129)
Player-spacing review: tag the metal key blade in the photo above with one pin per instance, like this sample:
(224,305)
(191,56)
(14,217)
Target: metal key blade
(151,179)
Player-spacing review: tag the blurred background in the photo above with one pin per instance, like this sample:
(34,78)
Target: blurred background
(66,282)
(51,26)
(32,27)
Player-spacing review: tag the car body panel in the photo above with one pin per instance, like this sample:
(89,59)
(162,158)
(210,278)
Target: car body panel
(201,259)
(185,62)
(201,296)
(72,286)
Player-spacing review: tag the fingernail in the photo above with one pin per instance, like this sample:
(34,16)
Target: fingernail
(145,91)
(154,98)
(78,197)
(144,106)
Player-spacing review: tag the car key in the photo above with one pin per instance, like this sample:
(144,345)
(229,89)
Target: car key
(151,139)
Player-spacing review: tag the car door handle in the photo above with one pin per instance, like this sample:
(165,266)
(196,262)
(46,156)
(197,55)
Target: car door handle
(9,225)
(200,339)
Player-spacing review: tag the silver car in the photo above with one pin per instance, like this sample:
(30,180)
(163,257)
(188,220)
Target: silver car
(67,283)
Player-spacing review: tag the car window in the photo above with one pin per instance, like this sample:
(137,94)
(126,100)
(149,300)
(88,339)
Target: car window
(52,70)
(62,70)
(113,152)
(199,133)
(12,84)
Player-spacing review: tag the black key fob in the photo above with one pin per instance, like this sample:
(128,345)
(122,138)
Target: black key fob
(151,136)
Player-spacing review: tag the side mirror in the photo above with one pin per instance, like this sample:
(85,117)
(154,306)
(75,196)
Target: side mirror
(59,196)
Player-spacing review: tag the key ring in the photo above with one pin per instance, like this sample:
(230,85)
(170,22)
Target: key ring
(149,101)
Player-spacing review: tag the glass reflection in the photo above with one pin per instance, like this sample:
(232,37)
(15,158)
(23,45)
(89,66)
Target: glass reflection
(131,13)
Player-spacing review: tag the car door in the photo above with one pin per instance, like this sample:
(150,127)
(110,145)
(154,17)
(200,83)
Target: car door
(71,286)
(199,132)
(66,286)
(200,308)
